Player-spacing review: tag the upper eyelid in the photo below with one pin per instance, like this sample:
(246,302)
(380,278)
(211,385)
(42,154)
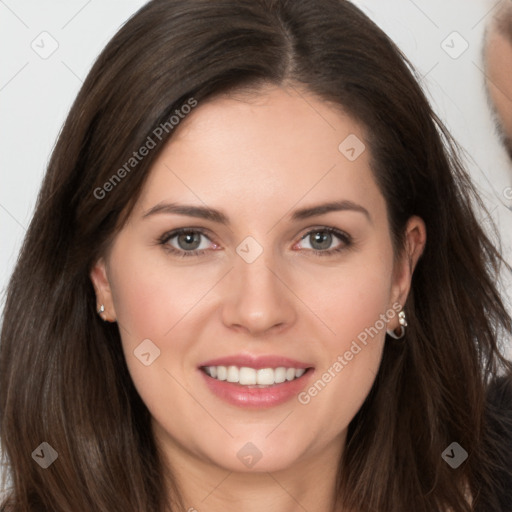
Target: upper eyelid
(334,231)
(175,232)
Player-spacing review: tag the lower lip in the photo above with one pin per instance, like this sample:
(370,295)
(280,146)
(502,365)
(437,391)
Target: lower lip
(245,396)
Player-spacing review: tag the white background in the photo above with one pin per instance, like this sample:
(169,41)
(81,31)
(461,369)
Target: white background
(36,93)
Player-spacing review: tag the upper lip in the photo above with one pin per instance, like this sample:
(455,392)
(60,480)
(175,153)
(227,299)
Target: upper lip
(256,362)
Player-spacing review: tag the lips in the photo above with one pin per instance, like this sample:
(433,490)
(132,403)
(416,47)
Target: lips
(255,381)
(256,362)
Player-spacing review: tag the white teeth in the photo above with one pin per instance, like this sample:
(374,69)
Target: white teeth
(279,375)
(265,376)
(233,374)
(222,372)
(247,376)
(251,377)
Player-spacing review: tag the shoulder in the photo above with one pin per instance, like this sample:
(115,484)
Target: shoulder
(499,436)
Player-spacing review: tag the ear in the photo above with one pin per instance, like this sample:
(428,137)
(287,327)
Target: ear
(415,240)
(101,283)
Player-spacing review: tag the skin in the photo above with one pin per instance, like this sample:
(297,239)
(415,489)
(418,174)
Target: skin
(498,59)
(270,154)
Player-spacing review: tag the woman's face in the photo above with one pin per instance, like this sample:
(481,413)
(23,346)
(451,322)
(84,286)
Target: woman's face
(281,281)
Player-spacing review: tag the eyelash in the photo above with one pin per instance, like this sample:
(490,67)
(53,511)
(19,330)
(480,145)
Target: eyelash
(164,239)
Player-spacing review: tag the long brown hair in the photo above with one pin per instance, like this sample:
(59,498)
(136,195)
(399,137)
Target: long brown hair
(64,380)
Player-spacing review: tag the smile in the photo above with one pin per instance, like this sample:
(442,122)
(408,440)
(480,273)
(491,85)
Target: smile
(246,376)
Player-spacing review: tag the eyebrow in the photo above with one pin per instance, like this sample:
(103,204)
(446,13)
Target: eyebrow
(334,206)
(204,212)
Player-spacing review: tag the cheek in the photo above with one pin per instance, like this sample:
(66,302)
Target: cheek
(157,301)
(151,295)
(354,306)
(350,297)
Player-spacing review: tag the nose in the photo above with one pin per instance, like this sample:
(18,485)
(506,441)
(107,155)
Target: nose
(256,298)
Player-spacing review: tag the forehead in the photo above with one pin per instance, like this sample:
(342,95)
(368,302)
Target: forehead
(274,117)
(279,145)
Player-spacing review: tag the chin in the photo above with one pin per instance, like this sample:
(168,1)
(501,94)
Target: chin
(268,463)
(256,456)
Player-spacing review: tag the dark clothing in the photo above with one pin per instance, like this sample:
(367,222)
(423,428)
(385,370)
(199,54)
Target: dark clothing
(499,425)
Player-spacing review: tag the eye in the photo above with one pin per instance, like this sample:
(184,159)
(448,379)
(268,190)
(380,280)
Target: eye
(321,240)
(187,242)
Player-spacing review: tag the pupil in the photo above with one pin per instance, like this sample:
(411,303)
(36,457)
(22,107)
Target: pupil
(323,238)
(188,238)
